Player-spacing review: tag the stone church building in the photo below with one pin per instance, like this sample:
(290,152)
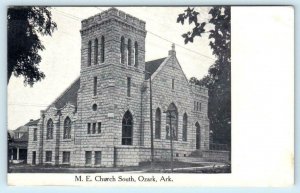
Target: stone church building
(103,118)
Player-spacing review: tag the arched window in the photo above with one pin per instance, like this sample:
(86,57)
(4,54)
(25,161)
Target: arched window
(127,128)
(184,127)
(129,52)
(89,53)
(157,123)
(49,129)
(96,52)
(102,49)
(122,50)
(172,122)
(136,54)
(67,128)
(198,135)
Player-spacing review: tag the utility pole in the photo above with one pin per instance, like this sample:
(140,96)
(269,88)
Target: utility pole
(171,137)
(151,125)
(151,121)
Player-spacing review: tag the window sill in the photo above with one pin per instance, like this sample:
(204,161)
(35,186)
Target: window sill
(94,135)
(66,140)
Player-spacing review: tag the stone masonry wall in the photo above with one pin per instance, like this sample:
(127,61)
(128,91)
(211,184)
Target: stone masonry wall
(181,96)
(111,98)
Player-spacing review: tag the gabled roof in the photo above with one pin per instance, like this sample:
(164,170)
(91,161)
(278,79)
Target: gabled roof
(21,129)
(32,122)
(68,96)
(152,66)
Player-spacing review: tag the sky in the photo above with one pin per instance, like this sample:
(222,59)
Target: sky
(61,58)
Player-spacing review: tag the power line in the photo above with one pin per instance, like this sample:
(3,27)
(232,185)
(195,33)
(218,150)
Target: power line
(170,40)
(181,46)
(198,53)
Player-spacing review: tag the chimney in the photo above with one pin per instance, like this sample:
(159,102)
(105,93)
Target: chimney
(172,52)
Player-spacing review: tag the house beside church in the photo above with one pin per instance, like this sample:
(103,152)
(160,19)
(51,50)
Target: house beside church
(103,118)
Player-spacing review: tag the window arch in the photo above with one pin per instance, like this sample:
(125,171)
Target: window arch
(49,129)
(122,50)
(184,127)
(67,128)
(89,53)
(102,49)
(136,54)
(129,52)
(96,52)
(157,123)
(172,110)
(127,128)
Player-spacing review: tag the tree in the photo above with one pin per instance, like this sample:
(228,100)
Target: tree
(218,79)
(25,24)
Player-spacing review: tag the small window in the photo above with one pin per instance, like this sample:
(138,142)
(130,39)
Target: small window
(102,49)
(136,54)
(184,127)
(122,50)
(128,86)
(94,128)
(195,105)
(157,123)
(35,134)
(66,157)
(199,106)
(129,52)
(89,128)
(67,128)
(97,157)
(89,53)
(99,127)
(96,52)
(173,84)
(88,157)
(49,129)
(95,85)
(48,156)
(94,107)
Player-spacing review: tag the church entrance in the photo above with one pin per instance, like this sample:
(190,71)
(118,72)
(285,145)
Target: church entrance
(198,136)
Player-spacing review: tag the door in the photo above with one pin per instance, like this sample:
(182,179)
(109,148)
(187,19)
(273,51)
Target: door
(33,158)
(198,136)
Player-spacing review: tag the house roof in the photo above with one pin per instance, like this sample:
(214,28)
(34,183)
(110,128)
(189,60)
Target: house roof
(32,122)
(68,96)
(152,66)
(23,129)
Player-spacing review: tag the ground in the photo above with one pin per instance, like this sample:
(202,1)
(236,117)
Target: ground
(145,167)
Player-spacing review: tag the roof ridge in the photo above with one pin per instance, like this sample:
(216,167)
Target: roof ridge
(63,93)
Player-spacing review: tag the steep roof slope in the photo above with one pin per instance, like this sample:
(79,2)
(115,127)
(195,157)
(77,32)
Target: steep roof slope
(152,66)
(68,96)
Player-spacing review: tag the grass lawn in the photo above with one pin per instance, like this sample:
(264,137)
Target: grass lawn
(158,167)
